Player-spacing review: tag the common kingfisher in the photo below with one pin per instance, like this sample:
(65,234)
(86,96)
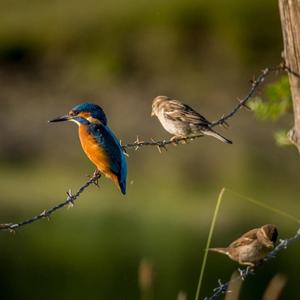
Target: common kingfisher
(98,142)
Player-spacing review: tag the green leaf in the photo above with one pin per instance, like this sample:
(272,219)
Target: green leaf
(282,139)
(276,102)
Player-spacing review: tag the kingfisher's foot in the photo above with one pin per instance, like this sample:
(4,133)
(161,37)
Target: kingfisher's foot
(97,173)
(95,177)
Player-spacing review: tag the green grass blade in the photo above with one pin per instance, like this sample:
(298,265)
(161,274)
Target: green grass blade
(210,234)
(266,206)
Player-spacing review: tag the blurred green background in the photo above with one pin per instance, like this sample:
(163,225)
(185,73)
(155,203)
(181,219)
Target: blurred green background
(120,55)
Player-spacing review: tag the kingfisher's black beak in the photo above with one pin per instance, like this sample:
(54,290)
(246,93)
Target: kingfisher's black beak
(61,119)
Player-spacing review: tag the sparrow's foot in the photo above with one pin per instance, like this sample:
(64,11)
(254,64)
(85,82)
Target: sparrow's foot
(174,140)
(247,263)
(178,139)
(247,271)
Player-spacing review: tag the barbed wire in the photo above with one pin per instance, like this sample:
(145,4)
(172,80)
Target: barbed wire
(289,70)
(45,214)
(222,288)
(161,145)
(242,102)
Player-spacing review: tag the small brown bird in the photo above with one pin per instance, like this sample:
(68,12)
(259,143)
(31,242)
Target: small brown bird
(252,246)
(181,120)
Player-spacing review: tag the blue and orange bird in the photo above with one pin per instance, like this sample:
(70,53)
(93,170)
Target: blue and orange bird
(98,142)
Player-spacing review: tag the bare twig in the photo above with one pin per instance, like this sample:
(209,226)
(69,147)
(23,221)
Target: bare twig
(48,212)
(222,288)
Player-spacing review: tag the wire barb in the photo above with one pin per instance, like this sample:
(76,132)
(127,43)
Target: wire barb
(288,69)
(162,144)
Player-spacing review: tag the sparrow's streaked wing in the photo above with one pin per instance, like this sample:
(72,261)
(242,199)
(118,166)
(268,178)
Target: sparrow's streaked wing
(177,111)
(245,239)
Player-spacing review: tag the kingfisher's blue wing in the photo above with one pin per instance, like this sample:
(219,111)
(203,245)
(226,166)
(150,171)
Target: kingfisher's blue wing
(111,145)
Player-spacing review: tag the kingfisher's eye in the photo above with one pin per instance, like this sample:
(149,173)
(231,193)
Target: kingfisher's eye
(73,113)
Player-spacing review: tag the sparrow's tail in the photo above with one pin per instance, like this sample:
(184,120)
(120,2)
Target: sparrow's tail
(219,250)
(217,136)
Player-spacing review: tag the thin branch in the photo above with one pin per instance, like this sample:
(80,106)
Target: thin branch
(222,288)
(45,214)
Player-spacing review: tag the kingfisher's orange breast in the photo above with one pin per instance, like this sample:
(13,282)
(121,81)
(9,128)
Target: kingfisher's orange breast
(94,151)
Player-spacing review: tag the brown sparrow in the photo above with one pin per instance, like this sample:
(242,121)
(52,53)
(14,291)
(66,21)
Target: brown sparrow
(181,120)
(252,246)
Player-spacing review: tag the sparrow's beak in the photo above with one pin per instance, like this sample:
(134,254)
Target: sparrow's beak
(152,114)
(61,119)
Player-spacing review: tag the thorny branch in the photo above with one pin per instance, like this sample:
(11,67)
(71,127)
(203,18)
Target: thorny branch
(222,288)
(223,120)
(45,214)
(159,144)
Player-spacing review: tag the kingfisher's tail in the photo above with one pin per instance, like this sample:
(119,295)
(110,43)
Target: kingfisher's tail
(120,184)
(217,136)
